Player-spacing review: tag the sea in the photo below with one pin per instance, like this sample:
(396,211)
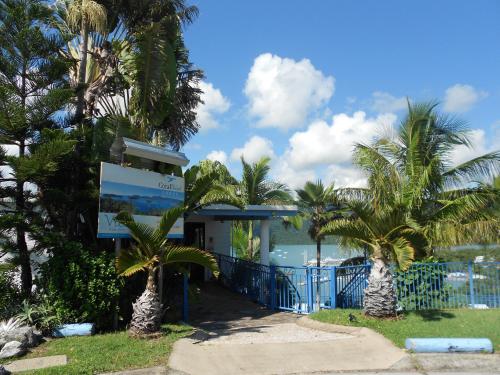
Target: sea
(299,255)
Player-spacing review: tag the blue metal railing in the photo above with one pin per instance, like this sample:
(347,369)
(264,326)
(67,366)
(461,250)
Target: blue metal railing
(422,287)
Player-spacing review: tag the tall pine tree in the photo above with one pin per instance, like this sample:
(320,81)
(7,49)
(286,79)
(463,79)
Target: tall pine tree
(33,93)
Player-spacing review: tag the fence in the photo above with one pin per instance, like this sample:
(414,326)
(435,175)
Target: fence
(305,289)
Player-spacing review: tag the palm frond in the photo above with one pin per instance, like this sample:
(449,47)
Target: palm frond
(404,252)
(133,260)
(184,254)
(168,220)
(480,168)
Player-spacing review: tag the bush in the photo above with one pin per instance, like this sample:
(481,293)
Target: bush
(41,314)
(10,295)
(422,286)
(82,287)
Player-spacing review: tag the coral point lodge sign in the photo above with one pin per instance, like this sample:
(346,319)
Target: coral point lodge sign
(145,195)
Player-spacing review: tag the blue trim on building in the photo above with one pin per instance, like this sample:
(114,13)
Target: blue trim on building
(125,235)
(228,213)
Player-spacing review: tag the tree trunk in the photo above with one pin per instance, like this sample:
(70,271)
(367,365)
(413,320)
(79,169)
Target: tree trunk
(380,298)
(82,71)
(146,317)
(318,275)
(250,239)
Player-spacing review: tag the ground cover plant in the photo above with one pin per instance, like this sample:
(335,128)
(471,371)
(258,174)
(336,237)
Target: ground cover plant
(109,352)
(429,323)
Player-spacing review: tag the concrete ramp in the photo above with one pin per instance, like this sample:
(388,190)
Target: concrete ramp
(251,340)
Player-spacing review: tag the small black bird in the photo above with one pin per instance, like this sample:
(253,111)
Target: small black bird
(352,318)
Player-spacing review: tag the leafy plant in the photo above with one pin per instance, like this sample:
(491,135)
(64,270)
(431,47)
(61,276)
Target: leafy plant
(151,248)
(80,286)
(422,285)
(42,315)
(10,295)
(12,324)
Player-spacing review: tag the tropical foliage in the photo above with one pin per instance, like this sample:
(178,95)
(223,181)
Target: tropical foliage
(416,199)
(150,250)
(255,188)
(319,205)
(74,75)
(33,88)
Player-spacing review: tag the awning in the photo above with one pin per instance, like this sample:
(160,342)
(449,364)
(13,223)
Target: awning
(128,146)
(251,212)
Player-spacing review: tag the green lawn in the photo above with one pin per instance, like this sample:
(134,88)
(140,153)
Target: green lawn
(443,323)
(109,352)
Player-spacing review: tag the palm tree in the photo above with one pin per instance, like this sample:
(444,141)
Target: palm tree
(391,237)
(85,16)
(256,189)
(209,182)
(317,204)
(416,200)
(155,88)
(240,243)
(151,250)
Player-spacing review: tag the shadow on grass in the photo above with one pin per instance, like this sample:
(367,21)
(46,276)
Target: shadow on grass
(433,315)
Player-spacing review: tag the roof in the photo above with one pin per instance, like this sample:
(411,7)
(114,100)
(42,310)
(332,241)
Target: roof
(251,212)
(123,145)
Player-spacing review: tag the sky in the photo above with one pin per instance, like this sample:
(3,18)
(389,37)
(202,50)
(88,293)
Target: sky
(303,81)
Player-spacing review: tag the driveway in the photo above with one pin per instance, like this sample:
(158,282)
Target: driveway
(236,336)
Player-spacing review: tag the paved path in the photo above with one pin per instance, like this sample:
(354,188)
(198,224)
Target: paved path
(235,336)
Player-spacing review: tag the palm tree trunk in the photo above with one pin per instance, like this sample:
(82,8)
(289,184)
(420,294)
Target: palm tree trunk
(380,298)
(250,239)
(318,275)
(82,70)
(146,317)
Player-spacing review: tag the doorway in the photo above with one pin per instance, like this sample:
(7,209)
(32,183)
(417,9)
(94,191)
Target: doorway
(194,235)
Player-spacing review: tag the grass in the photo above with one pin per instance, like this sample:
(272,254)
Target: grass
(441,323)
(109,352)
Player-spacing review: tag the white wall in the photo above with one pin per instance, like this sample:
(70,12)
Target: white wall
(219,231)
(221,234)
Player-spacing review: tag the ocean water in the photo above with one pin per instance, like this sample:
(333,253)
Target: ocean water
(297,255)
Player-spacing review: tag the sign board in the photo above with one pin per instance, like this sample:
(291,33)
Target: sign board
(144,194)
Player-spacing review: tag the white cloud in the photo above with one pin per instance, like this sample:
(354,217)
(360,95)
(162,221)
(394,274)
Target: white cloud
(384,102)
(293,178)
(461,98)
(461,154)
(218,155)
(345,176)
(254,149)
(324,143)
(214,104)
(330,145)
(283,92)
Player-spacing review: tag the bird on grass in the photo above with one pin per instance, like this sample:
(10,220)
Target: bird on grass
(352,318)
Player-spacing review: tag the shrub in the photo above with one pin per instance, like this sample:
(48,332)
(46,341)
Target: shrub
(10,295)
(421,286)
(41,314)
(81,286)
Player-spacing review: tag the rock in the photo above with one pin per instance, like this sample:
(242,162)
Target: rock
(26,335)
(4,371)
(12,349)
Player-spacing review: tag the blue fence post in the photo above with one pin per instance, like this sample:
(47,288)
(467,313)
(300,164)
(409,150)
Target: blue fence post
(471,283)
(309,287)
(185,300)
(333,287)
(272,288)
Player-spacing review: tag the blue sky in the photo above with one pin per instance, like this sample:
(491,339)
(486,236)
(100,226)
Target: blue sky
(301,81)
